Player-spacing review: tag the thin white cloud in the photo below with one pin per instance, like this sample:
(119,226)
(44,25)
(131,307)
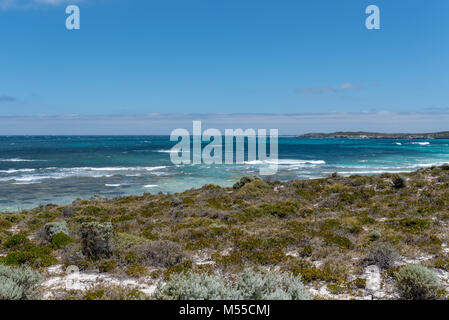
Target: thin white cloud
(350,86)
(324,89)
(26,4)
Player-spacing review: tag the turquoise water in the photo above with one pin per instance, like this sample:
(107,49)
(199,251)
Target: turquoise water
(40,170)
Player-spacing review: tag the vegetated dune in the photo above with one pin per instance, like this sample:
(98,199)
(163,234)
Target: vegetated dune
(332,238)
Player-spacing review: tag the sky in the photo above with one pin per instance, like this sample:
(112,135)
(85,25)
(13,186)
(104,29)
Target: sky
(313,61)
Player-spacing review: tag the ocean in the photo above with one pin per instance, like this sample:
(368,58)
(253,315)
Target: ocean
(37,170)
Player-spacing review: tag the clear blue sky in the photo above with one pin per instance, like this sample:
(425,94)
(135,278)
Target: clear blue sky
(223,56)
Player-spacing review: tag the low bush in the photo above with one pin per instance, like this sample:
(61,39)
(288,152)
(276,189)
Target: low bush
(60,240)
(255,188)
(270,286)
(183,267)
(442,263)
(194,286)
(382,255)
(250,286)
(414,225)
(399,182)
(107,265)
(111,292)
(136,271)
(30,254)
(279,209)
(16,240)
(98,239)
(51,229)
(242,182)
(416,282)
(341,241)
(160,253)
(306,251)
(374,235)
(72,254)
(18,283)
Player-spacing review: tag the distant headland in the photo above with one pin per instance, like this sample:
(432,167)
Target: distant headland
(377,135)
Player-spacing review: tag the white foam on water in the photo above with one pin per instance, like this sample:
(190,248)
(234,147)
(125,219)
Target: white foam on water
(18,160)
(121,168)
(112,184)
(90,172)
(369,171)
(421,143)
(26,183)
(286,162)
(172,151)
(150,186)
(17,170)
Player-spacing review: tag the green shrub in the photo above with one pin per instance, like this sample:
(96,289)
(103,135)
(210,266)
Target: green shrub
(136,271)
(415,225)
(94,294)
(16,240)
(358,283)
(250,286)
(311,273)
(307,251)
(280,209)
(18,283)
(255,188)
(4,224)
(342,242)
(242,182)
(112,292)
(98,239)
(32,255)
(183,267)
(53,228)
(442,263)
(188,201)
(416,282)
(60,240)
(220,203)
(107,265)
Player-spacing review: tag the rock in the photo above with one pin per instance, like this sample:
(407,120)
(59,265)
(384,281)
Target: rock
(373,279)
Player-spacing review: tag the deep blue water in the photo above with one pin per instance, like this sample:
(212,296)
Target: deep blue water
(40,170)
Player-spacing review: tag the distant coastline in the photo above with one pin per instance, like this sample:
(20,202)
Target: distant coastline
(377,135)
